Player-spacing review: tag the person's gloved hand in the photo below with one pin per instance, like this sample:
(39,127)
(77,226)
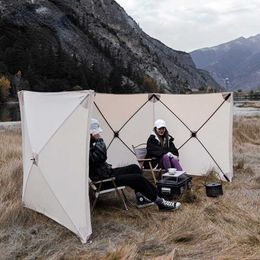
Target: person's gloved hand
(170,155)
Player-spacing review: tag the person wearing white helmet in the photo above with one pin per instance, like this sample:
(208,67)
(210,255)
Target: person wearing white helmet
(130,175)
(161,147)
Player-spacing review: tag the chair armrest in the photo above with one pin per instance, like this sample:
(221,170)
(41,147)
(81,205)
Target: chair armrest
(92,185)
(105,180)
(144,160)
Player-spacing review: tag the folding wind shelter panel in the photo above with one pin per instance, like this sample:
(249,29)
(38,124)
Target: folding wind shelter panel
(55,133)
(201,125)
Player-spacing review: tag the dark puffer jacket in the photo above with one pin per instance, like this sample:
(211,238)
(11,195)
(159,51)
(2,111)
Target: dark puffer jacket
(98,167)
(156,150)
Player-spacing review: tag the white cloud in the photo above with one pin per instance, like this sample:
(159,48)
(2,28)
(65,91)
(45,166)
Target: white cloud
(187,24)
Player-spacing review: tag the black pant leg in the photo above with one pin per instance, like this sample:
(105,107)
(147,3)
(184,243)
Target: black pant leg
(129,169)
(131,175)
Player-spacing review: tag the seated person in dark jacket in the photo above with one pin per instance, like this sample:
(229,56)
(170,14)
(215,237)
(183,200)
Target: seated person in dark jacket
(130,175)
(160,146)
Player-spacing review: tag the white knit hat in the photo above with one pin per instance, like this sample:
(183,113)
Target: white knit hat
(95,127)
(159,123)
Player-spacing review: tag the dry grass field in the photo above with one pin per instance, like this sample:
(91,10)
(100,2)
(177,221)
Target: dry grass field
(227,227)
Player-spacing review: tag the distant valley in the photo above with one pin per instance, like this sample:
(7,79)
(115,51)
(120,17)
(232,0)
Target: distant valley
(235,65)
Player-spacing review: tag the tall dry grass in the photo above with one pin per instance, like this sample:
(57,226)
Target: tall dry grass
(227,227)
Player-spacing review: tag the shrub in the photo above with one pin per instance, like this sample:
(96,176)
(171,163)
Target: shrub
(4,88)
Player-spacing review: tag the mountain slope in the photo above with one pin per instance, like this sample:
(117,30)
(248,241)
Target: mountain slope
(94,44)
(235,64)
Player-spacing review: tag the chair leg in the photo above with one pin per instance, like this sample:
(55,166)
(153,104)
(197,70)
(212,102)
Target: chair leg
(122,197)
(96,197)
(94,204)
(154,178)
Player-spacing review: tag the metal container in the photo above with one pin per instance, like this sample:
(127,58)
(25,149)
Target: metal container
(214,189)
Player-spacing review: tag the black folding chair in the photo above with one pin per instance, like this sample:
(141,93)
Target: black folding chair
(107,186)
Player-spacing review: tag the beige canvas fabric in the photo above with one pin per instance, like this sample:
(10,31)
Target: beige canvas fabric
(55,151)
(201,125)
(55,133)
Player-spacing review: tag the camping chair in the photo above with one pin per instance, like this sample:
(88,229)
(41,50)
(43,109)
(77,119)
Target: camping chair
(140,153)
(106,186)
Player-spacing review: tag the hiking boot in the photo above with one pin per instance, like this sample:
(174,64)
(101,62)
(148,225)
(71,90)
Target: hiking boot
(168,205)
(142,201)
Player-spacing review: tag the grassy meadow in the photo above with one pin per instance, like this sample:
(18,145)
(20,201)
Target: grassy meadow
(227,227)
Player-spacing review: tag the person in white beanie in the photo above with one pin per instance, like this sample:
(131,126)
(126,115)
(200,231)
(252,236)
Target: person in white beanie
(131,175)
(160,146)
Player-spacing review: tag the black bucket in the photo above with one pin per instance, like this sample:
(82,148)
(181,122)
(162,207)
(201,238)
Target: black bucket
(214,189)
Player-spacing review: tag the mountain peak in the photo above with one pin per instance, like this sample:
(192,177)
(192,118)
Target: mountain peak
(234,64)
(94,44)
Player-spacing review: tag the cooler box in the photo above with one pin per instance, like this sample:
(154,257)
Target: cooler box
(173,185)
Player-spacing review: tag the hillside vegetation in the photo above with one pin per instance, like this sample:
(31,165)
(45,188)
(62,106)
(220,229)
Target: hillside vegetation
(56,45)
(227,227)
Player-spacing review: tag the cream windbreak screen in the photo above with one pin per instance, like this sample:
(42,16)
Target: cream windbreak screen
(200,123)
(55,156)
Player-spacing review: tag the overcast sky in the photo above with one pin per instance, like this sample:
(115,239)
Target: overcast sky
(193,24)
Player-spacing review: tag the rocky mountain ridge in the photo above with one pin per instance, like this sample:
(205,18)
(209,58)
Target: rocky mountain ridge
(54,44)
(234,65)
